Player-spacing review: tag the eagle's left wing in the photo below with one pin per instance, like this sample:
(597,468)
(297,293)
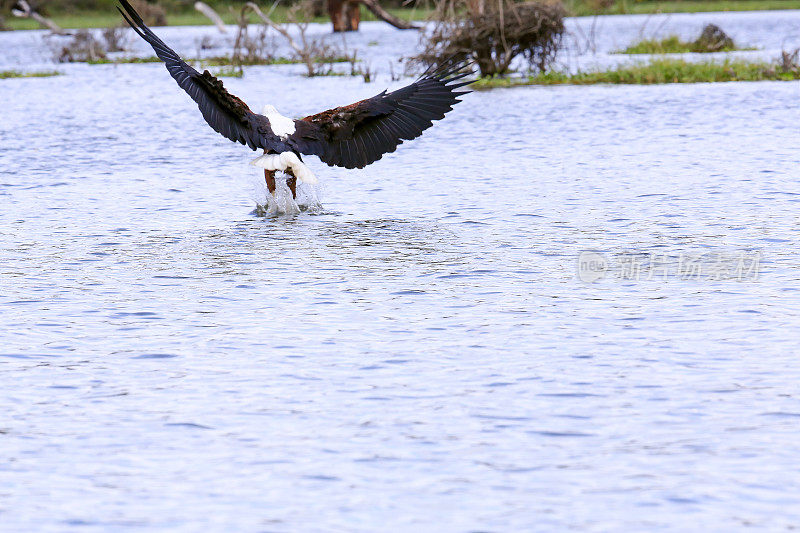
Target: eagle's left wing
(224,112)
(356,135)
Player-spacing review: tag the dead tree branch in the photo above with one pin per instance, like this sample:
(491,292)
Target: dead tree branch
(311,52)
(277,27)
(387,17)
(23,10)
(212,15)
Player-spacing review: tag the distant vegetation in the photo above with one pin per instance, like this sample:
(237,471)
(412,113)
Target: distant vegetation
(253,45)
(213,61)
(712,39)
(673,45)
(101,13)
(121,60)
(623,7)
(6,74)
(256,48)
(229,72)
(216,61)
(220,61)
(661,71)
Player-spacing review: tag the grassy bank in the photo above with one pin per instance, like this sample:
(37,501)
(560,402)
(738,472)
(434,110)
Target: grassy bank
(229,13)
(121,60)
(228,72)
(215,61)
(586,8)
(673,45)
(108,16)
(657,71)
(221,61)
(6,74)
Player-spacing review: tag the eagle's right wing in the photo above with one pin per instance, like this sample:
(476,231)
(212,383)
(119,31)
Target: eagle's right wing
(356,135)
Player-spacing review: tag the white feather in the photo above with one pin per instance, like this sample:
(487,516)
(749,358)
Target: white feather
(281,126)
(283,161)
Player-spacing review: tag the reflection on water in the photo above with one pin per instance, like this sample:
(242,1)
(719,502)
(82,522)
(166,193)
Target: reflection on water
(413,344)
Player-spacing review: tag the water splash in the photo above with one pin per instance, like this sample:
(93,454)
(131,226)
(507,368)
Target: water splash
(281,203)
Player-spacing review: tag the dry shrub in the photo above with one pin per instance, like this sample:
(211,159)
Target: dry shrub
(253,49)
(788,62)
(495,33)
(116,38)
(314,53)
(81,47)
(713,39)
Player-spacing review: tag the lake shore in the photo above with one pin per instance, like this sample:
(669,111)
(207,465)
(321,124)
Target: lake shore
(107,17)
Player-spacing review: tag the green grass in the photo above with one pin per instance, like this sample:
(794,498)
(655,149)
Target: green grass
(108,16)
(228,12)
(229,72)
(121,60)
(6,74)
(657,71)
(671,45)
(334,73)
(587,7)
(223,61)
(220,61)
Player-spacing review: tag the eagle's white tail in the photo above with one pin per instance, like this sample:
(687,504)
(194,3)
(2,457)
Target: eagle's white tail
(283,161)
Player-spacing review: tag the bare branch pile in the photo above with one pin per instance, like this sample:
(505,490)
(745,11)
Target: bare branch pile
(494,33)
(82,47)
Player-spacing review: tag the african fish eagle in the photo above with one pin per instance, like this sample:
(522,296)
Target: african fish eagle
(351,136)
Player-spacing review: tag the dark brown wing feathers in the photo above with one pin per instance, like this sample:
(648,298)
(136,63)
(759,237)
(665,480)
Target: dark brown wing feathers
(356,135)
(228,102)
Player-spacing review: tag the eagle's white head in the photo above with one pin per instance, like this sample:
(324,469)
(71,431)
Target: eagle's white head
(269,110)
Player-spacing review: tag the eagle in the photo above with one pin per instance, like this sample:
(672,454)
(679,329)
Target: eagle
(351,136)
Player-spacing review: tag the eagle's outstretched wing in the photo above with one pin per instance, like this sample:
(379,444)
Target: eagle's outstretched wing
(223,111)
(356,135)
(351,136)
